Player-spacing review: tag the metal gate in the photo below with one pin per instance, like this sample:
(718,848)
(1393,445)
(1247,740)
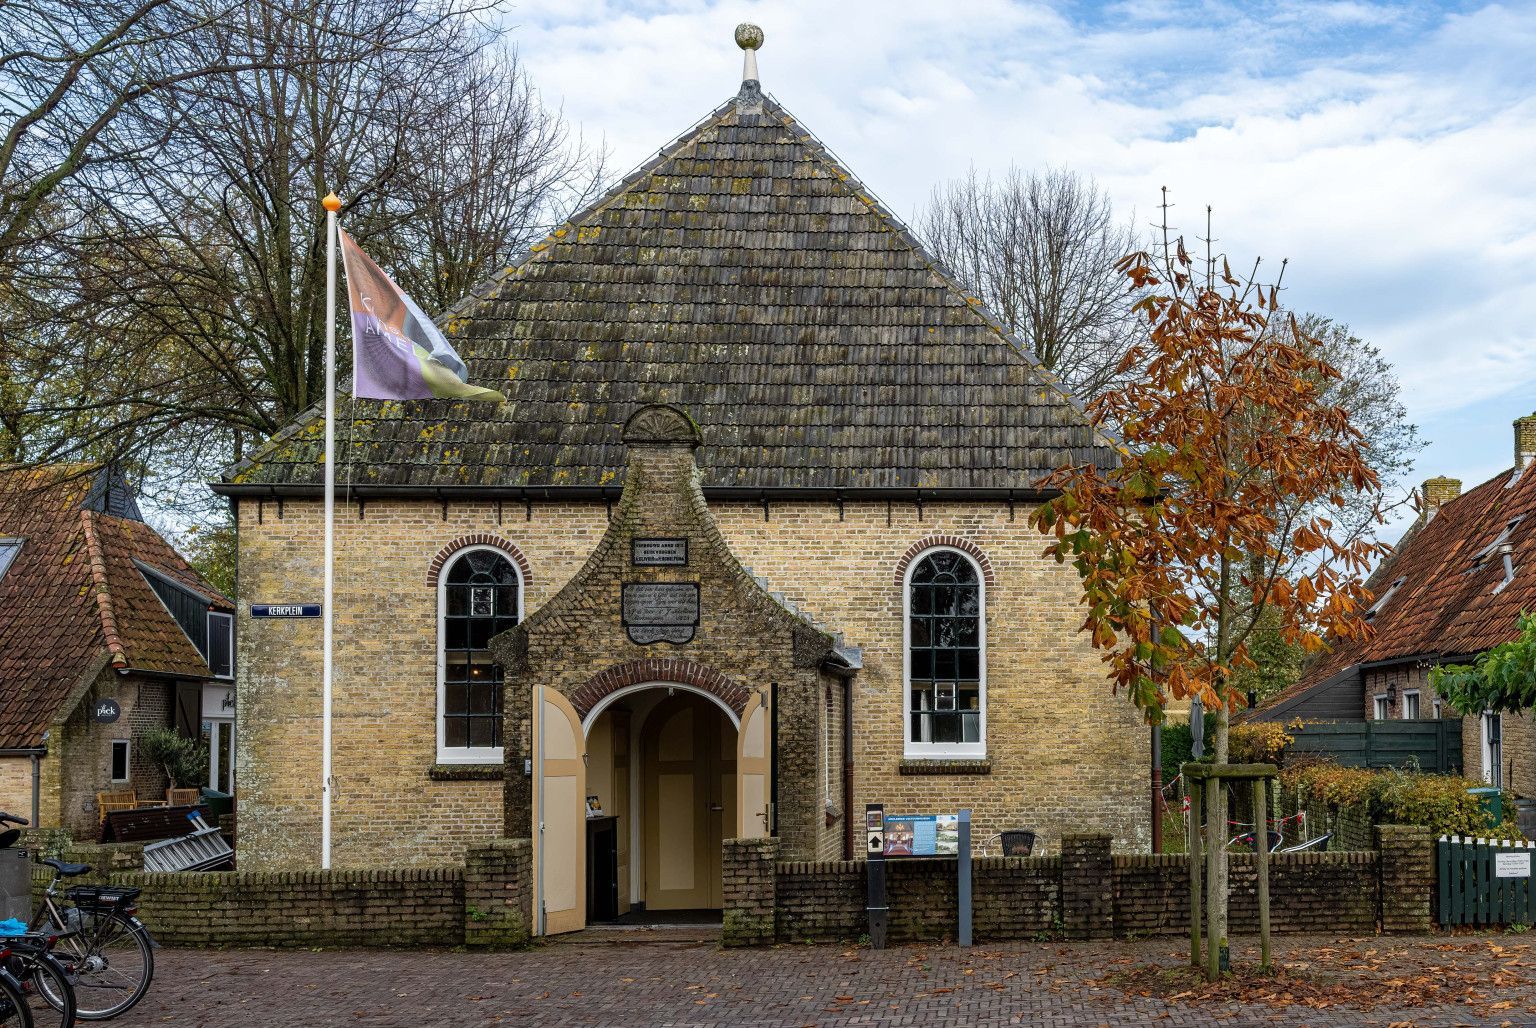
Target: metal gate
(1485,881)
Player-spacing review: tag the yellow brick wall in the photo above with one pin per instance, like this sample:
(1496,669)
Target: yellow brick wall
(1065,754)
(16,786)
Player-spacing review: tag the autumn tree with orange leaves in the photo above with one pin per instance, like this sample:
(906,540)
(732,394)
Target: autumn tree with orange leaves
(1218,514)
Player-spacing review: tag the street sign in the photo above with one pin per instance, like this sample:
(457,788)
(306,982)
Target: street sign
(874,827)
(105,712)
(285,610)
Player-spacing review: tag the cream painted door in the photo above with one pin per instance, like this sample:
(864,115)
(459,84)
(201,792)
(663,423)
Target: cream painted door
(559,814)
(690,795)
(754,770)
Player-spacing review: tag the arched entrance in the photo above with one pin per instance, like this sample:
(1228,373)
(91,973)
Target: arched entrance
(670,771)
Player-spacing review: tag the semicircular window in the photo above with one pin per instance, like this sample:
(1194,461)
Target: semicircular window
(945,667)
(481,598)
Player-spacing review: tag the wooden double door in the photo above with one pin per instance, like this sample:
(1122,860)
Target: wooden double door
(688,775)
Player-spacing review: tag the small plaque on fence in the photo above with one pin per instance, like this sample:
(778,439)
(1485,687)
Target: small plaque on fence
(1512,865)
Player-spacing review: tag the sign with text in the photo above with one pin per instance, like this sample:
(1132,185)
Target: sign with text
(922,835)
(660,611)
(874,827)
(285,610)
(658,553)
(1512,865)
(104,712)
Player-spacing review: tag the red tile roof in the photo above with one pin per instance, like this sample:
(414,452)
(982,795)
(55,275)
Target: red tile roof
(1449,603)
(74,599)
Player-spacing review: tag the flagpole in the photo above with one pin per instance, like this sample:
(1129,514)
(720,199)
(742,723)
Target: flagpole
(332,204)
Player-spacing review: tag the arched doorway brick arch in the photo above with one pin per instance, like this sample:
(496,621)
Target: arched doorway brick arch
(662,669)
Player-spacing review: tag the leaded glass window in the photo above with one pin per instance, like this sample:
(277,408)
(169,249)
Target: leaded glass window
(945,661)
(480,599)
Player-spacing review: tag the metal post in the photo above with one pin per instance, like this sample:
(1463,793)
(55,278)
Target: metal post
(1213,828)
(965,878)
(327,610)
(37,776)
(1261,827)
(874,834)
(1196,951)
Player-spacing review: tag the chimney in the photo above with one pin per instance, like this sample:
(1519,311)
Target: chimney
(1525,441)
(1436,493)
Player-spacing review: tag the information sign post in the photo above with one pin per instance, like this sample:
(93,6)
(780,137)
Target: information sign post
(964,934)
(874,832)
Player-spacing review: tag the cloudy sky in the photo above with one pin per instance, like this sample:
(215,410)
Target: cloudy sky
(1387,149)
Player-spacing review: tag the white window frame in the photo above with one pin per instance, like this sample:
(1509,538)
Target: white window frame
(942,750)
(1417,709)
(127,745)
(1382,710)
(466,754)
(1493,773)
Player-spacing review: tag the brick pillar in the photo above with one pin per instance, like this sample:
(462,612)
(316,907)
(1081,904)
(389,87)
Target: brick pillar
(1407,877)
(1087,887)
(750,891)
(498,893)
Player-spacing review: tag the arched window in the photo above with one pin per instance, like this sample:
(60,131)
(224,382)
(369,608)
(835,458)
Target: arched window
(946,656)
(481,595)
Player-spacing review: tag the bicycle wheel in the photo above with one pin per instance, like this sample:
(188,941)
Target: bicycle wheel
(49,991)
(109,962)
(14,1012)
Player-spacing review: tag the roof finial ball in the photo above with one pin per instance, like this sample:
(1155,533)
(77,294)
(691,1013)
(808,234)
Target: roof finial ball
(749,37)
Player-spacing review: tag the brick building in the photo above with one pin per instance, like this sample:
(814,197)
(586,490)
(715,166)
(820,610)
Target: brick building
(1454,586)
(747,549)
(95,606)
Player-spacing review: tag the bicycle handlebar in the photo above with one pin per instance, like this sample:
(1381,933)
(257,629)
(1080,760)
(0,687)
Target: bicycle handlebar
(13,819)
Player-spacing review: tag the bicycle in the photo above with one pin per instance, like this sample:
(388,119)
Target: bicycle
(14,1009)
(106,953)
(44,980)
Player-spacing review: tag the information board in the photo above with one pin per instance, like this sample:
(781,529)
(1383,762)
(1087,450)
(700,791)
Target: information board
(1512,865)
(922,835)
(660,611)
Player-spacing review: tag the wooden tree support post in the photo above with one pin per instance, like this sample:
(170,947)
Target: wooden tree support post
(1210,779)
(1261,857)
(1196,951)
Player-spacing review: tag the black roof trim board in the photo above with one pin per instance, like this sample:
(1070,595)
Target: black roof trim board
(745,494)
(578,325)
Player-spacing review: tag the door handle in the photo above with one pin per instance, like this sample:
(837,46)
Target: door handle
(715,808)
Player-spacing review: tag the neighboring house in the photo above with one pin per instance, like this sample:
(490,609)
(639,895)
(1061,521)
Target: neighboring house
(870,445)
(96,606)
(1453,587)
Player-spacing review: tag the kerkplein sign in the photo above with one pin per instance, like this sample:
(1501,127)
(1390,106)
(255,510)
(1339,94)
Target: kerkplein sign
(655,612)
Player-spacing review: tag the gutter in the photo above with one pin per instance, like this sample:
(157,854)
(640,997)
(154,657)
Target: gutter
(444,493)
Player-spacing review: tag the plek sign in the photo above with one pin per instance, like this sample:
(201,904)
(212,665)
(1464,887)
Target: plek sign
(105,712)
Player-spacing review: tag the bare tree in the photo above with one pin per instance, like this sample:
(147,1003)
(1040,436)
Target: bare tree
(1039,249)
(190,293)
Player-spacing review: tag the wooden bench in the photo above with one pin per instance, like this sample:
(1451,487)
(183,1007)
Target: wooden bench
(122,799)
(146,824)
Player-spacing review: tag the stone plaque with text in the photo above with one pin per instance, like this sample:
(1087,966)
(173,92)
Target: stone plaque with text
(660,611)
(658,553)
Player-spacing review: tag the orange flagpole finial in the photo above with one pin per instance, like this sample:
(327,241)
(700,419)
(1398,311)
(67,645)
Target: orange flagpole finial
(332,202)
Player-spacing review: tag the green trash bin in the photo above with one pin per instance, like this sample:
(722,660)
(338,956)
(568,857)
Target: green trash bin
(218,804)
(1492,800)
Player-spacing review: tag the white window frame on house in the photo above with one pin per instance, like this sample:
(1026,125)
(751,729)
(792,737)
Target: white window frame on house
(127,745)
(1382,710)
(943,750)
(1493,756)
(1411,694)
(465,754)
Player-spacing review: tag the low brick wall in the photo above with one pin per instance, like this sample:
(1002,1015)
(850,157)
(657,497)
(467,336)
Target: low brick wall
(1085,893)
(484,902)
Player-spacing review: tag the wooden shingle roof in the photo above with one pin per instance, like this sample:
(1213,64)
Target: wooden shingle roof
(745,275)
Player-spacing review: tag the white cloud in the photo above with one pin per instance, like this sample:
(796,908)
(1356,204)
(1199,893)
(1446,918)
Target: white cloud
(1387,149)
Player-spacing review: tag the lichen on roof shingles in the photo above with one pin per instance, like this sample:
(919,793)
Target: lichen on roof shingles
(744,275)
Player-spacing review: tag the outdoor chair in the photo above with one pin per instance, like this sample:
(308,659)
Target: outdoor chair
(122,799)
(182,797)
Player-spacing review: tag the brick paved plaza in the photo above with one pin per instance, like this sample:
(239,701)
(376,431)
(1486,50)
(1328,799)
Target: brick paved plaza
(604,978)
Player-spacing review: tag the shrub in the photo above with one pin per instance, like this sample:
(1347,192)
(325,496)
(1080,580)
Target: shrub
(184,761)
(1392,796)
(1258,742)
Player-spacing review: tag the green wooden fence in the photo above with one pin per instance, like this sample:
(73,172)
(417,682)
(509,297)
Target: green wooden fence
(1435,744)
(1485,881)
